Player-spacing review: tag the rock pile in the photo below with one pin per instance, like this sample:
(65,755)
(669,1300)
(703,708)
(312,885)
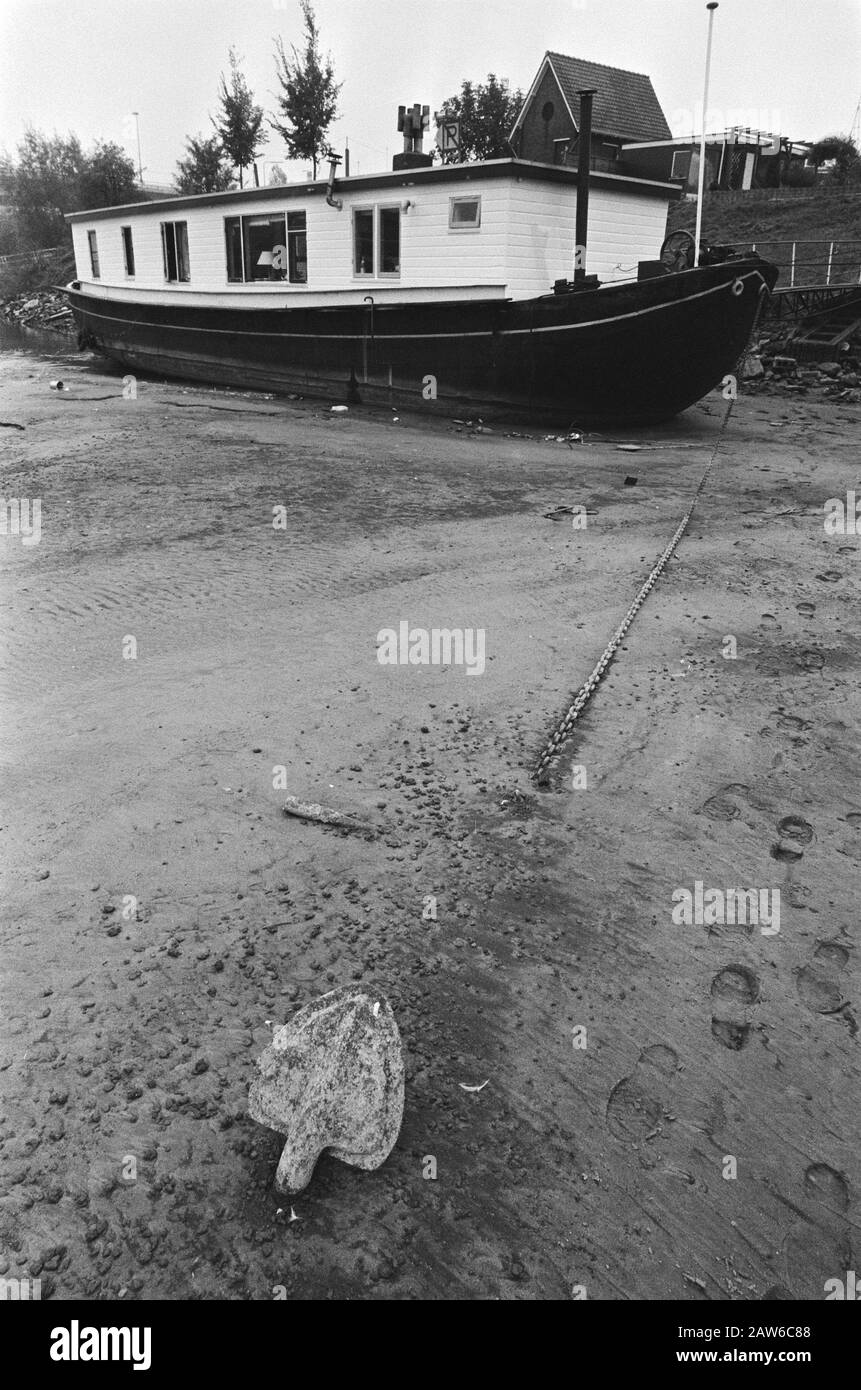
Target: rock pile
(772,369)
(45,309)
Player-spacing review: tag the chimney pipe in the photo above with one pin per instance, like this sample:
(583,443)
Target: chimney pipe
(584,156)
(334,161)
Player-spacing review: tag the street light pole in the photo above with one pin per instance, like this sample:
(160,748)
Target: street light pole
(136,115)
(711,7)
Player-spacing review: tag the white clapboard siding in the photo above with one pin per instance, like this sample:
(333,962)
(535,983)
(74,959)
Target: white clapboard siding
(624,228)
(524,243)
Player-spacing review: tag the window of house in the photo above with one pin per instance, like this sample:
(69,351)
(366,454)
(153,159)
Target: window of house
(128,252)
(681,164)
(464,212)
(390,241)
(266,248)
(174,245)
(363,242)
(560,151)
(94,254)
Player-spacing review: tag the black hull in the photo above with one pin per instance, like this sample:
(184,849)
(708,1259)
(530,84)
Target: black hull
(628,354)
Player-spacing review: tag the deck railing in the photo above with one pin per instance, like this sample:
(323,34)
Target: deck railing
(812,262)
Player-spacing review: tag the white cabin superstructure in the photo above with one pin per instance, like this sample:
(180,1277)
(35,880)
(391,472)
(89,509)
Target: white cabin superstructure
(497,229)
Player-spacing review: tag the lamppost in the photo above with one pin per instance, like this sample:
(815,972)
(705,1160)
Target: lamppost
(136,115)
(711,7)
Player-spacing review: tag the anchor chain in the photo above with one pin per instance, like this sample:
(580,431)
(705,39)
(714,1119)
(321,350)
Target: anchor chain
(565,726)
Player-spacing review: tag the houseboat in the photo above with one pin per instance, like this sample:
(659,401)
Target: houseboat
(439,286)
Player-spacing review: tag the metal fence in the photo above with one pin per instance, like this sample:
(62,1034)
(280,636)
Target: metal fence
(808,263)
(47,253)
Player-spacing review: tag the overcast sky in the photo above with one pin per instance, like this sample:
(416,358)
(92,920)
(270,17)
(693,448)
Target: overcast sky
(85,65)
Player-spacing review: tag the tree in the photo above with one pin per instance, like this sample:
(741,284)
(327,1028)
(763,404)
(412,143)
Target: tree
(486,113)
(205,169)
(309,95)
(52,176)
(239,127)
(108,178)
(843,151)
(43,184)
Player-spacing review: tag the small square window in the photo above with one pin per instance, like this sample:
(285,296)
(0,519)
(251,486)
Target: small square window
(681,164)
(94,254)
(464,213)
(560,151)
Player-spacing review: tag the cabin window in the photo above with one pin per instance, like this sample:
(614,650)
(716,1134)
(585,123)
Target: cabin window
(464,213)
(363,242)
(681,164)
(94,254)
(297,248)
(128,252)
(377,241)
(266,248)
(390,241)
(174,245)
(233,236)
(560,151)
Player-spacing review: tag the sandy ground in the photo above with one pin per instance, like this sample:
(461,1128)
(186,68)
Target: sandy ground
(129,1165)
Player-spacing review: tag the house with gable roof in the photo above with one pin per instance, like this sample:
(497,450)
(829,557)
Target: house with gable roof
(625,110)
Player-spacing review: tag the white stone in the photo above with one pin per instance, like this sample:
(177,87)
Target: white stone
(332,1079)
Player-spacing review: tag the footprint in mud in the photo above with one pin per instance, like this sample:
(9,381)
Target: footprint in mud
(797,894)
(805,609)
(854,819)
(720,807)
(639,1104)
(791,722)
(818,1247)
(724,804)
(795,828)
(769,620)
(794,833)
(830,576)
(820,986)
(734,991)
(810,660)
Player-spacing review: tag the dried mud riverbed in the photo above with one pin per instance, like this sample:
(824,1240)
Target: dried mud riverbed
(129,1165)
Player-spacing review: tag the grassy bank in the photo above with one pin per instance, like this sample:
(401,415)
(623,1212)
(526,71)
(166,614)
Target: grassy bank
(801,217)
